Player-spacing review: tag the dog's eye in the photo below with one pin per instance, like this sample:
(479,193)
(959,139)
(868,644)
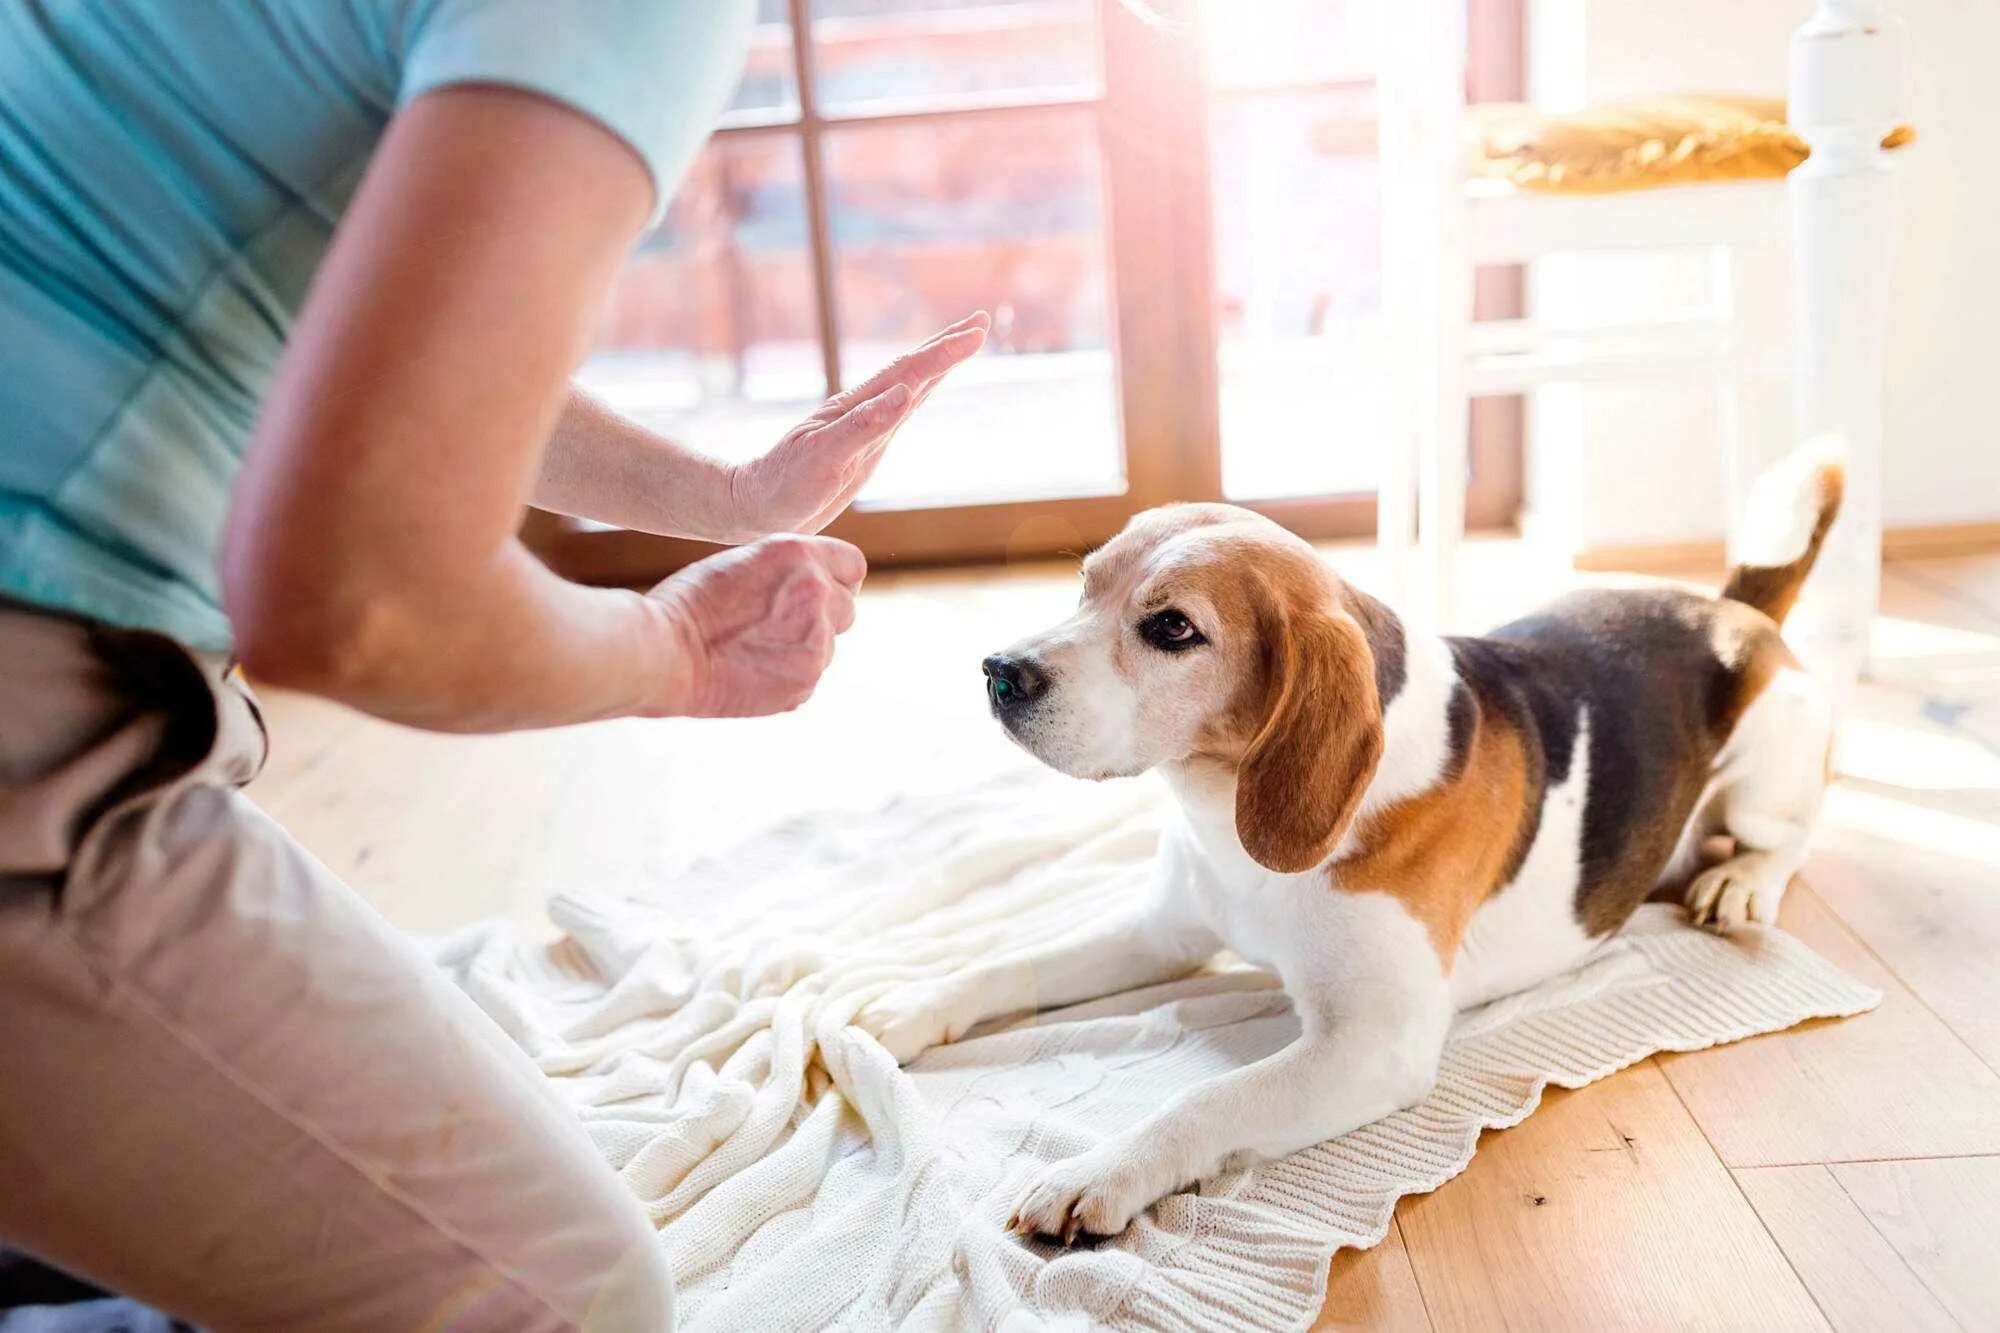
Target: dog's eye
(1170,630)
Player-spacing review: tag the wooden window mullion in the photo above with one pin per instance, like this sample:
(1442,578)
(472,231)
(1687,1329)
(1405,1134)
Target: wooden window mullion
(819,230)
(1155,144)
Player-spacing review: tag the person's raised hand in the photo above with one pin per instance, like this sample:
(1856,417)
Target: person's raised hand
(754,627)
(812,474)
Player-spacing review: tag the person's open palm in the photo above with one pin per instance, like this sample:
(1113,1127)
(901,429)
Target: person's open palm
(812,474)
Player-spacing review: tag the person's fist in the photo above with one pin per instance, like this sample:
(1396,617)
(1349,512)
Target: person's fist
(755,626)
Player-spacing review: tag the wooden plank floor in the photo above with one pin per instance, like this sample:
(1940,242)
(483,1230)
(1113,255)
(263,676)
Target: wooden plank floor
(1842,1174)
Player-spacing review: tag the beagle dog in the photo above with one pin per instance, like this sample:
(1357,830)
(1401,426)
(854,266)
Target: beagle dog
(1399,825)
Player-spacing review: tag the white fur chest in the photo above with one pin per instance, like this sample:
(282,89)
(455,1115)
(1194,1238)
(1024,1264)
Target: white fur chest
(1215,883)
(1299,926)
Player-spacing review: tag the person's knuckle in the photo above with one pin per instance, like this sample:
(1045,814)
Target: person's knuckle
(786,555)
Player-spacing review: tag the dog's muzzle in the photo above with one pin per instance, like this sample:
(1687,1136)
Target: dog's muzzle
(1012,683)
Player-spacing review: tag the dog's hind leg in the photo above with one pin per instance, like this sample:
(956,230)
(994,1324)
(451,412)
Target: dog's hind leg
(1776,767)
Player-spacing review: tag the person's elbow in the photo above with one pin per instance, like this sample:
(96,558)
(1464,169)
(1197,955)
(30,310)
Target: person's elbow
(329,631)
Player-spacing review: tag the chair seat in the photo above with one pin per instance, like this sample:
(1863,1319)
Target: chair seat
(1639,143)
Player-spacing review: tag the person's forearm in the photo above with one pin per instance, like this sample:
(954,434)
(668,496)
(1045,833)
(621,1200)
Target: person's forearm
(603,466)
(508,646)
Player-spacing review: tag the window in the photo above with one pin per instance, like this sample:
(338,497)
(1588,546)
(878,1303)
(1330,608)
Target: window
(1171,210)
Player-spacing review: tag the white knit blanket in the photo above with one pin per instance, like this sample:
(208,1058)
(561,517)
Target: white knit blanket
(802,1181)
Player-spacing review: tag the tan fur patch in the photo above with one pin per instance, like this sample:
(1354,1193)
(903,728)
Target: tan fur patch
(1443,851)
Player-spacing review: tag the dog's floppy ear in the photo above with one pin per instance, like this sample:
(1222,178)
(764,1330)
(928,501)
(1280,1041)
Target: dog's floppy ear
(1302,778)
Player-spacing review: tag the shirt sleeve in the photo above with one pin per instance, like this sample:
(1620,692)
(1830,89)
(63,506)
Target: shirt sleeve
(656,73)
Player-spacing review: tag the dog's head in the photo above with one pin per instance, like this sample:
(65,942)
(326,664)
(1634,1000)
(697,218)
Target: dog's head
(1208,634)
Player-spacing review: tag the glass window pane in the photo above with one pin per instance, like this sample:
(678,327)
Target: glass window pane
(711,334)
(1265,43)
(936,219)
(1298,276)
(868,52)
(770,78)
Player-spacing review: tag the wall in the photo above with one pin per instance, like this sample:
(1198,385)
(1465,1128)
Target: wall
(1626,465)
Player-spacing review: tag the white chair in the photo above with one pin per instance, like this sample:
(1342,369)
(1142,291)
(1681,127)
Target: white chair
(1845,78)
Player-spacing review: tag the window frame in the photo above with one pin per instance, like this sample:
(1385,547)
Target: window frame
(1159,246)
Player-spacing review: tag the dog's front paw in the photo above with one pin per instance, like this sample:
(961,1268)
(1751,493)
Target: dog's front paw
(911,1019)
(1098,1192)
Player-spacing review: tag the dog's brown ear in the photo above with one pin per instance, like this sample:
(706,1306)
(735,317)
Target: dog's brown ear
(1302,778)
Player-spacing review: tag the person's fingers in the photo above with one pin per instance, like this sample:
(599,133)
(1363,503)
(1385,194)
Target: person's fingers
(853,432)
(863,453)
(882,412)
(798,608)
(941,354)
(860,468)
(841,614)
(927,362)
(850,432)
(978,319)
(924,388)
(915,367)
(846,459)
(841,559)
(855,474)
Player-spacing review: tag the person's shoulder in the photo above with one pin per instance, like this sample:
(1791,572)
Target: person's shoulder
(654,72)
(618,40)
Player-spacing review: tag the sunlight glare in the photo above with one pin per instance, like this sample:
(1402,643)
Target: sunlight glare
(1251,41)
(1921,760)
(1896,638)
(1912,825)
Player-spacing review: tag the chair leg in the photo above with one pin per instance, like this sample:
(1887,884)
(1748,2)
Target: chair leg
(1846,71)
(1442,464)
(1395,518)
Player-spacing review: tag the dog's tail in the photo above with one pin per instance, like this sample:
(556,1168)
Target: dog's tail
(1790,508)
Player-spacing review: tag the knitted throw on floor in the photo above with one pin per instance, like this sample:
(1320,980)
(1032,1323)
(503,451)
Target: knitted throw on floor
(801,1180)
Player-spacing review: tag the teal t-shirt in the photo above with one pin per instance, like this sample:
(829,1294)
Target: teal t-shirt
(171,172)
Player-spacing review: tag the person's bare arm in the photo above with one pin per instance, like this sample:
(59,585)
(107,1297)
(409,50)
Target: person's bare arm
(603,466)
(369,554)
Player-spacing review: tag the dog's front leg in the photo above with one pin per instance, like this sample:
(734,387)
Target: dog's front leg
(1368,1048)
(1150,943)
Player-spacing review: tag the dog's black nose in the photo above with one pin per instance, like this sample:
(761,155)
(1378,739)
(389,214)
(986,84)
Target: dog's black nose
(1011,681)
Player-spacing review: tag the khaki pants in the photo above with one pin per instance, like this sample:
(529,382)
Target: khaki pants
(227,1087)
